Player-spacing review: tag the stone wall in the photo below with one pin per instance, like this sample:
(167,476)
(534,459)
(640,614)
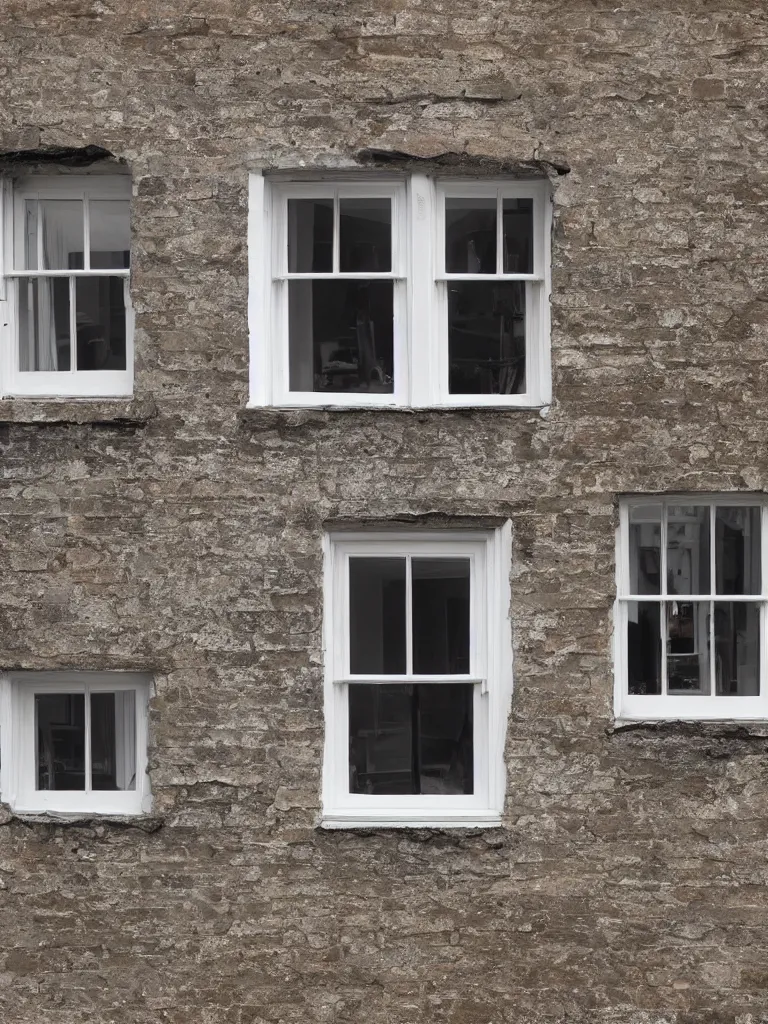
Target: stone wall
(180,533)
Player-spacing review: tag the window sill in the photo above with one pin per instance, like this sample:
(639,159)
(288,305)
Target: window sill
(299,414)
(756,728)
(352,820)
(116,411)
(81,819)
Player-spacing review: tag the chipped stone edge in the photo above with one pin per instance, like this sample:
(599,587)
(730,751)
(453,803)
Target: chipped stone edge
(76,412)
(756,729)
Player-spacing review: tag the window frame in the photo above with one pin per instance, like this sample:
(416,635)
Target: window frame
(18,743)
(73,383)
(490,672)
(420,325)
(688,707)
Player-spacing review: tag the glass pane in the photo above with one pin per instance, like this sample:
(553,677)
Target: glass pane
(737,648)
(687,647)
(100,323)
(341,337)
(62,234)
(113,740)
(470,236)
(377,616)
(688,549)
(310,236)
(440,616)
(30,234)
(44,342)
(486,337)
(518,236)
(644,647)
(110,228)
(60,728)
(411,738)
(365,235)
(645,549)
(737,550)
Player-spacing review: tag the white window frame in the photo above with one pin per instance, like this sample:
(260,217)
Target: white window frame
(490,672)
(18,743)
(56,384)
(418,271)
(688,707)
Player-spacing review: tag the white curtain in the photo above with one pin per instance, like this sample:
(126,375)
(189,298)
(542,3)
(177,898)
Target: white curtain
(42,340)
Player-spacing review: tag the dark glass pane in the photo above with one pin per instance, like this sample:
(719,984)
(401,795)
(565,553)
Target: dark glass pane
(63,245)
(411,738)
(341,336)
(60,726)
(737,649)
(100,323)
(518,236)
(687,647)
(644,647)
(440,616)
(486,337)
(310,236)
(737,550)
(44,336)
(377,616)
(645,549)
(110,228)
(365,235)
(688,549)
(113,740)
(470,236)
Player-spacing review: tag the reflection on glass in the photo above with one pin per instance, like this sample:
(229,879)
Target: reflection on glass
(365,235)
(737,649)
(688,549)
(340,336)
(687,647)
(30,234)
(113,740)
(440,616)
(737,550)
(470,236)
(411,738)
(486,337)
(44,338)
(310,236)
(518,236)
(377,616)
(62,221)
(100,319)
(645,549)
(110,230)
(644,647)
(60,730)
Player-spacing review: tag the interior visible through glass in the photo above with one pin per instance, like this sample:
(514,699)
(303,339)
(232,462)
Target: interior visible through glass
(470,235)
(341,336)
(100,320)
(377,616)
(44,323)
(110,229)
(60,732)
(737,550)
(688,670)
(645,549)
(113,740)
(644,647)
(411,739)
(310,236)
(688,552)
(440,616)
(62,223)
(517,216)
(486,337)
(365,235)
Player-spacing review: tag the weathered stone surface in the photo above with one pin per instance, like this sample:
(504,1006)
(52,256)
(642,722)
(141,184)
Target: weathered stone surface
(628,885)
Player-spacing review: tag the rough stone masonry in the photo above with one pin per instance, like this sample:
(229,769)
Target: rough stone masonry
(179,533)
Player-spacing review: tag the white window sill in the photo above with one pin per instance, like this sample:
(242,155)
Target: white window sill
(533,406)
(359,819)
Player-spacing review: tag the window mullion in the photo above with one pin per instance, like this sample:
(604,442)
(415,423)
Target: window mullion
(408,616)
(72,325)
(86,233)
(713,592)
(335,264)
(499,233)
(88,758)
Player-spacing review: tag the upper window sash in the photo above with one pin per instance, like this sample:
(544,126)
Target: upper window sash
(536,191)
(474,552)
(336,192)
(624,590)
